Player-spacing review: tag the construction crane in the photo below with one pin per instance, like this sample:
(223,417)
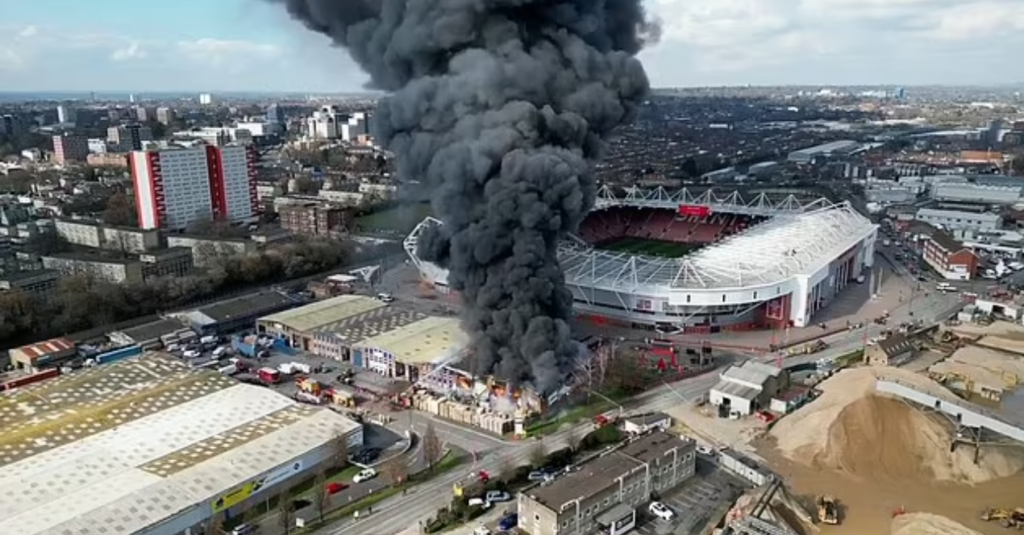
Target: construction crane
(828,511)
(1010,518)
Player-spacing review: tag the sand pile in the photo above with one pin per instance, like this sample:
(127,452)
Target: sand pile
(928,524)
(850,428)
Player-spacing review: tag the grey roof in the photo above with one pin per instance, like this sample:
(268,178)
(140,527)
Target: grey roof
(896,345)
(649,418)
(597,475)
(153,330)
(736,390)
(959,214)
(751,372)
(256,304)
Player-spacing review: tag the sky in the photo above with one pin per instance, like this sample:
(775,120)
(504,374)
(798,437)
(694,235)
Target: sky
(239,45)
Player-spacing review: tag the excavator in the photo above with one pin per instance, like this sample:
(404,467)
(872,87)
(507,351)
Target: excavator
(828,512)
(1010,518)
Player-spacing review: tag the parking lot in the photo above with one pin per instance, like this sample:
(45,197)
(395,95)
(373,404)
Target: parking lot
(694,503)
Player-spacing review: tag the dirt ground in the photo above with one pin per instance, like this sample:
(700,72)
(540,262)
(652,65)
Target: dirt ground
(867,504)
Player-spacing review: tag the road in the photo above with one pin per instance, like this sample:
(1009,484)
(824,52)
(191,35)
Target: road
(400,513)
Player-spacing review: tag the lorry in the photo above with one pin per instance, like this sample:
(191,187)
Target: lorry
(269,375)
(828,512)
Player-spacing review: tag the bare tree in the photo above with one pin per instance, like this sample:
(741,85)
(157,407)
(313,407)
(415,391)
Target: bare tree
(395,470)
(538,455)
(321,498)
(285,514)
(506,471)
(431,446)
(573,438)
(339,453)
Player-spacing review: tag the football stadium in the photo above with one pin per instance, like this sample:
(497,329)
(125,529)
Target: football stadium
(687,262)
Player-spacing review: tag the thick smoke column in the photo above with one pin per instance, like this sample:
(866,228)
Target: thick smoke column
(500,107)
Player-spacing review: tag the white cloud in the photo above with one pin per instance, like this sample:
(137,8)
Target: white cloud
(133,51)
(220,52)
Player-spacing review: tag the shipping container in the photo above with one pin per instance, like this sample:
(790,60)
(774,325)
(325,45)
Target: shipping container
(26,380)
(118,354)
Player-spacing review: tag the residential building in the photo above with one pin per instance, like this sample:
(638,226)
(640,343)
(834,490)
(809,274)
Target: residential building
(97,146)
(66,114)
(110,159)
(326,123)
(950,258)
(275,115)
(94,234)
(959,220)
(41,355)
(606,491)
(176,187)
(126,138)
(313,219)
(170,262)
(206,250)
(37,282)
(205,99)
(117,271)
(10,125)
(164,115)
(748,387)
(143,114)
(70,149)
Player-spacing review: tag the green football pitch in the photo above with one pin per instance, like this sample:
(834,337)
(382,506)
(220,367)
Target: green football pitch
(648,247)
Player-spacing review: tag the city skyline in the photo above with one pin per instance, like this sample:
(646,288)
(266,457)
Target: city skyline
(246,45)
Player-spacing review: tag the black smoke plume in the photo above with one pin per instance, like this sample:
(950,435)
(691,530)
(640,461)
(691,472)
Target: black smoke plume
(500,107)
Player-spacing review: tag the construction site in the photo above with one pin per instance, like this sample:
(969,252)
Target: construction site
(925,436)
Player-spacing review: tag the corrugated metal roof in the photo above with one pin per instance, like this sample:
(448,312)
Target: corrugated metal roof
(49,347)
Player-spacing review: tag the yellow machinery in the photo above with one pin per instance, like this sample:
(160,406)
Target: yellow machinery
(828,511)
(954,381)
(1010,518)
(807,349)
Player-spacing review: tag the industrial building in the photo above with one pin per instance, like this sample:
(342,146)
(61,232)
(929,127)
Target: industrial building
(147,446)
(950,258)
(983,189)
(40,355)
(748,387)
(959,220)
(808,155)
(393,341)
(236,314)
(604,493)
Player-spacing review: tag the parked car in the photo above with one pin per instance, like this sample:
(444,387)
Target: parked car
(481,530)
(480,502)
(540,475)
(497,496)
(661,511)
(508,522)
(244,529)
(365,475)
(367,455)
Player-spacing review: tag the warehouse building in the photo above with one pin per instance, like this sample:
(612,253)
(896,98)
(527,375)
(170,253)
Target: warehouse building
(236,314)
(960,220)
(393,341)
(604,493)
(42,355)
(748,387)
(983,189)
(147,446)
(808,155)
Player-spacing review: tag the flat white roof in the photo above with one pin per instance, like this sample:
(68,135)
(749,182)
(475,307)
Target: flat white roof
(433,339)
(122,447)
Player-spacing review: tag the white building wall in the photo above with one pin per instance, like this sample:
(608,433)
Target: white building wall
(143,183)
(186,180)
(236,183)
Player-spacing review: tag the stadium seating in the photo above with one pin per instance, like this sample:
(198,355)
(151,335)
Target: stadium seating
(660,224)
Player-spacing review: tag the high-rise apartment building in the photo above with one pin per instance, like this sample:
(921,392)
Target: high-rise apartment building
(127,138)
(164,115)
(70,149)
(174,188)
(10,125)
(66,114)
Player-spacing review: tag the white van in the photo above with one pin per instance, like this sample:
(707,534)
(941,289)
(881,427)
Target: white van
(385,298)
(945,287)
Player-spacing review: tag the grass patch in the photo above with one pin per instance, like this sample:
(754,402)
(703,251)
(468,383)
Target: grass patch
(648,247)
(398,219)
(571,416)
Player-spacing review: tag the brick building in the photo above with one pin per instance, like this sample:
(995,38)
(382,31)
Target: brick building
(313,219)
(952,259)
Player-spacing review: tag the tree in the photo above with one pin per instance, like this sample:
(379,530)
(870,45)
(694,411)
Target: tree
(538,455)
(285,514)
(47,243)
(506,471)
(395,470)
(321,498)
(573,437)
(339,450)
(119,211)
(431,446)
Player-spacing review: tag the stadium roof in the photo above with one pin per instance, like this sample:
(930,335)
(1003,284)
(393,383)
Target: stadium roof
(771,252)
(118,448)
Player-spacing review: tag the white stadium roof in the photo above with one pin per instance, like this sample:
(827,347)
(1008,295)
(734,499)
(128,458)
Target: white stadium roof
(771,252)
(799,239)
(122,447)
